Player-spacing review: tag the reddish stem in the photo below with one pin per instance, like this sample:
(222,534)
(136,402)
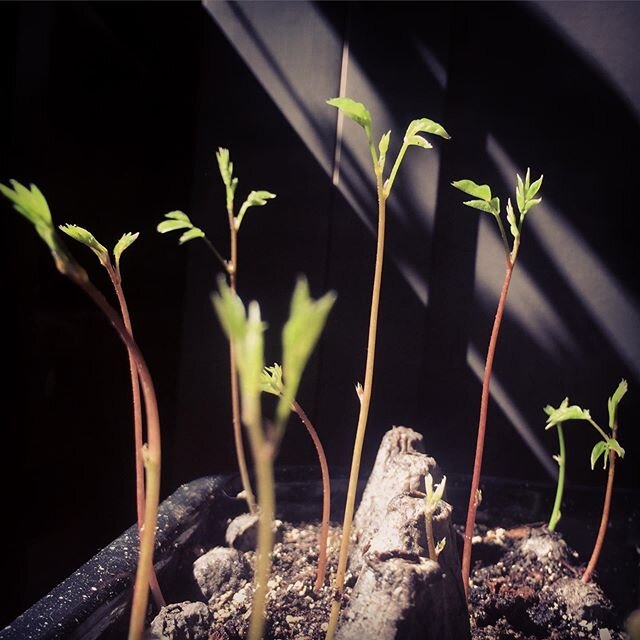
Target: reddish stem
(482,427)
(326,496)
(604,520)
(116,280)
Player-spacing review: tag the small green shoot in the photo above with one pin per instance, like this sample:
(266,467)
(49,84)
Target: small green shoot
(360,114)
(33,206)
(608,448)
(180,221)
(272,383)
(432,499)
(485,201)
(244,329)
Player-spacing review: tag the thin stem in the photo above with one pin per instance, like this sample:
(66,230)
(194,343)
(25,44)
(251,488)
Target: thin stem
(562,467)
(116,280)
(394,170)
(365,402)
(604,520)
(232,273)
(152,466)
(216,253)
(482,427)
(599,429)
(428,523)
(326,496)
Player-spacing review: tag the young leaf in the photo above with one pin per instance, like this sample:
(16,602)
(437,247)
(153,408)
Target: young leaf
(520,194)
(418,141)
(177,220)
(271,380)
(511,218)
(354,110)
(87,239)
(598,450)
(481,205)
(383,147)
(565,412)
(424,125)
(124,243)
(534,188)
(299,336)
(230,311)
(614,400)
(226,172)
(254,199)
(481,191)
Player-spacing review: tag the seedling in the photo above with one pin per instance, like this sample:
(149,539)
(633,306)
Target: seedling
(179,221)
(113,270)
(359,113)
(560,458)
(431,500)
(33,206)
(244,328)
(607,448)
(483,200)
(272,383)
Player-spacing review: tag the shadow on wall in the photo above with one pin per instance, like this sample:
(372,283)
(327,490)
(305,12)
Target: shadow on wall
(514,91)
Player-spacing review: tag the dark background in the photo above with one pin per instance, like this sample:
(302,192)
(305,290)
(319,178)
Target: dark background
(115,111)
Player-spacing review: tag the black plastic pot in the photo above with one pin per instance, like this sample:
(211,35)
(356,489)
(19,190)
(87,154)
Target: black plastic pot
(94,602)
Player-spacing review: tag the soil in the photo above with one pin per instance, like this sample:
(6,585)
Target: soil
(525,586)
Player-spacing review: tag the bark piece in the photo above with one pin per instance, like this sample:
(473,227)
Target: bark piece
(401,594)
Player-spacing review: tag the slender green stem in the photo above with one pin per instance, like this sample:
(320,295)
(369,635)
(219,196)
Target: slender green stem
(599,429)
(215,252)
(482,427)
(152,466)
(505,241)
(232,274)
(562,467)
(116,280)
(365,402)
(396,165)
(326,496)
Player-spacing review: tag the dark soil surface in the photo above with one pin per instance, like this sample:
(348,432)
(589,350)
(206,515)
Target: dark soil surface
(525,586)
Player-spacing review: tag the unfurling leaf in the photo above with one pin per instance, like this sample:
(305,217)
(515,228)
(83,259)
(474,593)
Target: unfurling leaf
(418,141)
(300,334)
(272,380)
(565,412)
(481,191)
(511,218)
(383,147)
(433,494)
(87,239)
(177,220)
(598,450)
(614,400)
(440,546)
(534,188)
(124,243)
(254,199)
(481,205)
(354,110)
(424,125)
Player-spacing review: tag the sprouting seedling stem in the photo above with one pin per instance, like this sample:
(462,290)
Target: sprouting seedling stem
(272,383)
(177,220)
(432,499)
(33,206)
(113,270)
(562,469)
(359,113)
(526,192)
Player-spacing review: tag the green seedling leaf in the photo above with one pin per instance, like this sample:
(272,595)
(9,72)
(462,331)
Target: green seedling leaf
(534,188)
(245,330)
(87,239)
(418,141)
(226,172)
(614,400)
(272,380)
(124,243)
(440,546)
(254,199)
(511,218)
(424,125)
(299,337)
(177,220)
(383,147)
(434,494)
(565,412)
(481,191)
(602,448)
(481,205)
(354,110)
(520,193)
(529,204)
